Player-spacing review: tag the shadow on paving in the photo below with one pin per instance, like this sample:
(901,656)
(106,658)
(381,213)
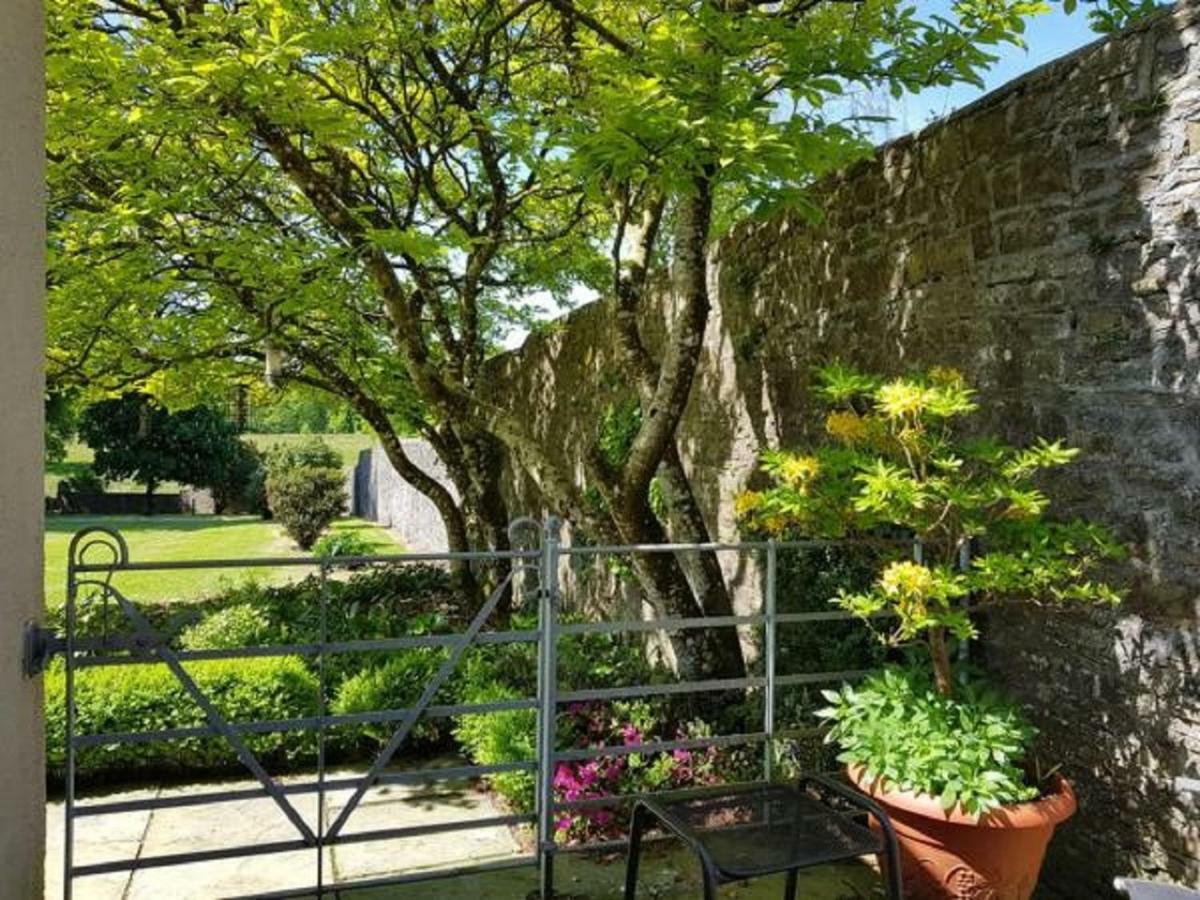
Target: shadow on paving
(667,874)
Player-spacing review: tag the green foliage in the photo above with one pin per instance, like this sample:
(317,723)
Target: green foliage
(306,489)
(83,480)
(898,463)
(239,482)
(145,697)
(61,420)
(618,427)
(501,737)
(1108,16)
(968,751)
(301,410)
(134,436)
(344,543)
(238,625)
(310,453)
(394,684)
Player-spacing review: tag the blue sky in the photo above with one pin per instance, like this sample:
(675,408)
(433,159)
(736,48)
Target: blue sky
(1047,37)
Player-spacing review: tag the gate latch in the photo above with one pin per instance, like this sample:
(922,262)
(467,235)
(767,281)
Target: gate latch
(40,646)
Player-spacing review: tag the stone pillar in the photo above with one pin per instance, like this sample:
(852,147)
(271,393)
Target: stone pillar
(22,278)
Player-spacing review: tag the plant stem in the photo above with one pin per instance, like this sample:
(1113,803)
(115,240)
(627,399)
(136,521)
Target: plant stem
(940,654)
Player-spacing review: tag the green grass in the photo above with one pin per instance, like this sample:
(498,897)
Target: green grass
(170,538)
(79,456)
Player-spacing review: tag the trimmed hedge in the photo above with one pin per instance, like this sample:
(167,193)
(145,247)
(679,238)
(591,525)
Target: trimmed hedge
(146,697)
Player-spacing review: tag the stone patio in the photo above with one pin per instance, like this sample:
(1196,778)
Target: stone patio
(668,873)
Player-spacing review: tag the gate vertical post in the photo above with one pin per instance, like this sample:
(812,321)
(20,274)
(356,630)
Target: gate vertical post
(68,861)
(547,702)
(770,639)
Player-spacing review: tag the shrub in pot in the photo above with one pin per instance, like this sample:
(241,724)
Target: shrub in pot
(951,760)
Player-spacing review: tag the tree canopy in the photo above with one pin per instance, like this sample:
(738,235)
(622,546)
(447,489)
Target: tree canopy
(362,196)
(133,436)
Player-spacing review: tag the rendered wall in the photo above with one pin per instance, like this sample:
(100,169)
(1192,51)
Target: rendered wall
(1047,241)
(22,830)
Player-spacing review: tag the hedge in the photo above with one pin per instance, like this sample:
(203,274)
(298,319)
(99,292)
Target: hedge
(148,697)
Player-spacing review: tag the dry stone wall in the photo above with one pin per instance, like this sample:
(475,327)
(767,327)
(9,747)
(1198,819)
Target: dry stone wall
(1045,240)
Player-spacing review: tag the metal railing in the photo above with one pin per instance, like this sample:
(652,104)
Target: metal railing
(539,561)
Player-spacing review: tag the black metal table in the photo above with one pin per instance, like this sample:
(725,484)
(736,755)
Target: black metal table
(752,831)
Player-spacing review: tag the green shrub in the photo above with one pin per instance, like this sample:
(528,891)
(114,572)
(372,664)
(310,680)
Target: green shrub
(305,501)
(239,485)
(146,697)
(966,750)
(344,543)
(501,737)
(241,625)
(312,453)
(84,481)
(394,684)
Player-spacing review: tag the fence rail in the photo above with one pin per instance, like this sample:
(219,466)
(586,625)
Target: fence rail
(97,556)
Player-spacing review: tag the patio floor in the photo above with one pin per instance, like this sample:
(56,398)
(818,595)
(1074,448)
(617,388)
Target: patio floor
(668,872)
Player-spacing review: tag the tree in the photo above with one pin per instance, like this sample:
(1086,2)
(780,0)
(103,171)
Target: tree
(359,190)
(361,197)
(135,437)
(60,424)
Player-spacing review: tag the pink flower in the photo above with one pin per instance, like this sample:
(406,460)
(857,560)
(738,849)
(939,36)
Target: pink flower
(564,777)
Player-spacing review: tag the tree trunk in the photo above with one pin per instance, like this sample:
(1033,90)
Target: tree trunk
(939,652)
(479,466)
(699,652)
(149,497)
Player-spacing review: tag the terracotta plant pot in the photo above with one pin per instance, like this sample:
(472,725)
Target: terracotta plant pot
(954,855)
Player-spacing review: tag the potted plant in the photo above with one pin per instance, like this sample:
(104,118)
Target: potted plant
(949,759)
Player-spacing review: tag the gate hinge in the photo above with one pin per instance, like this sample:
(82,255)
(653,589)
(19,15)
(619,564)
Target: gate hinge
(40,646)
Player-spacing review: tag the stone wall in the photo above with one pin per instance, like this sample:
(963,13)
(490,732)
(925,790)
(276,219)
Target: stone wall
(1045,240)
(379,494)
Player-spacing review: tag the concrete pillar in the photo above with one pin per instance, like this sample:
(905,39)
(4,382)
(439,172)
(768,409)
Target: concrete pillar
(22,279)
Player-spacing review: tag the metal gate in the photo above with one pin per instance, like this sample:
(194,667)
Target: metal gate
(534,572)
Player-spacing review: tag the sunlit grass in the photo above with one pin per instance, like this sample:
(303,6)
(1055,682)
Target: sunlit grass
(170,538)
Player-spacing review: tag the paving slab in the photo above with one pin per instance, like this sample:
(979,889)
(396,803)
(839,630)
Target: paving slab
(217,826)
(405,806)
(668,873)
(98,839)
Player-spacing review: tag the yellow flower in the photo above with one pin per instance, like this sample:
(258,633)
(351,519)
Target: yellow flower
(775,524)
(907,580)
(847,426)
(901,398)
(747,502)
(798,471)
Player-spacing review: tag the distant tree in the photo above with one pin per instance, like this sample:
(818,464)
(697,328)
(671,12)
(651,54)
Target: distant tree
(238,480)
(60,424)
(135,437)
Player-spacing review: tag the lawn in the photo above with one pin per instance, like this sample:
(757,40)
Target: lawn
(160,538)
(79,456)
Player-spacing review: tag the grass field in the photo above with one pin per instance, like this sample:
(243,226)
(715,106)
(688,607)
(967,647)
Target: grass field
(80,455)
(158,538)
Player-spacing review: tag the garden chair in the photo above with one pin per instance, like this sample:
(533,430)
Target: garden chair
(751,831)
